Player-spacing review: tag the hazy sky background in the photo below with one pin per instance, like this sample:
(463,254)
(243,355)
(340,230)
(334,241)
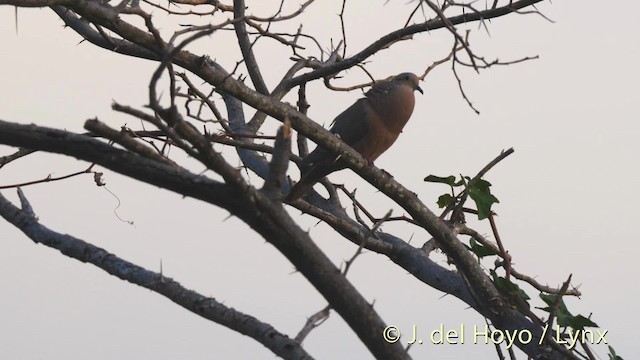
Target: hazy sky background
(568,197)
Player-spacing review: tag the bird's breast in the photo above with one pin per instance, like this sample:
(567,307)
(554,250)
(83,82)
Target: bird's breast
(395,108)
(380,136)
(387,114)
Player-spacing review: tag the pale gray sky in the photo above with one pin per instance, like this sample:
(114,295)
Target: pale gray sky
(568,197)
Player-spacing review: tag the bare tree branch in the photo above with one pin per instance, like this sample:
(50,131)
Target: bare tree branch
(260,212)
(206,307)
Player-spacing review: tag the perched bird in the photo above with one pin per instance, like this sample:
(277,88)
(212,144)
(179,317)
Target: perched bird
(370,126)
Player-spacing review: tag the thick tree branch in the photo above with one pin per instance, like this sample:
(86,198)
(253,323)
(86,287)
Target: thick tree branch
(89,149)
(247,48)
(84,29)
(279,162)
(280,344)
(259,211)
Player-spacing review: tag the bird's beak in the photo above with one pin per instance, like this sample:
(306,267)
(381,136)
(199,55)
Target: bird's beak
(419,89)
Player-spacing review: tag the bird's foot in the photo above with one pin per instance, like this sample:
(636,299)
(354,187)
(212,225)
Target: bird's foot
(387,173)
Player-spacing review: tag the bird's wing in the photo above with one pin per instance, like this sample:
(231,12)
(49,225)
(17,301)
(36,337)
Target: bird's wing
(351,126)
(380,88)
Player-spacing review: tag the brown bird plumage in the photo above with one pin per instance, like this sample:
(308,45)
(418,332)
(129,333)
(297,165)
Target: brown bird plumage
(370,126)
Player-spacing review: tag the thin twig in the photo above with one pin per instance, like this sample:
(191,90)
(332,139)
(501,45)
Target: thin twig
(505,253)
(49,178)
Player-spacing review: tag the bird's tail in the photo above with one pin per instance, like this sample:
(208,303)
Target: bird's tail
(305,184)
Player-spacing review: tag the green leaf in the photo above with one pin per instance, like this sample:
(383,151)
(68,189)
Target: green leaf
(563,315)
(613,355)
(506,286)
(449,180)
(549,299)
(463,180)
(482,185)
(579,322)
(445,200)
(480,250)
(565,318)
(480,193)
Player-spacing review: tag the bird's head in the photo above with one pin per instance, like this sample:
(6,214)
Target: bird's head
(410,79)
